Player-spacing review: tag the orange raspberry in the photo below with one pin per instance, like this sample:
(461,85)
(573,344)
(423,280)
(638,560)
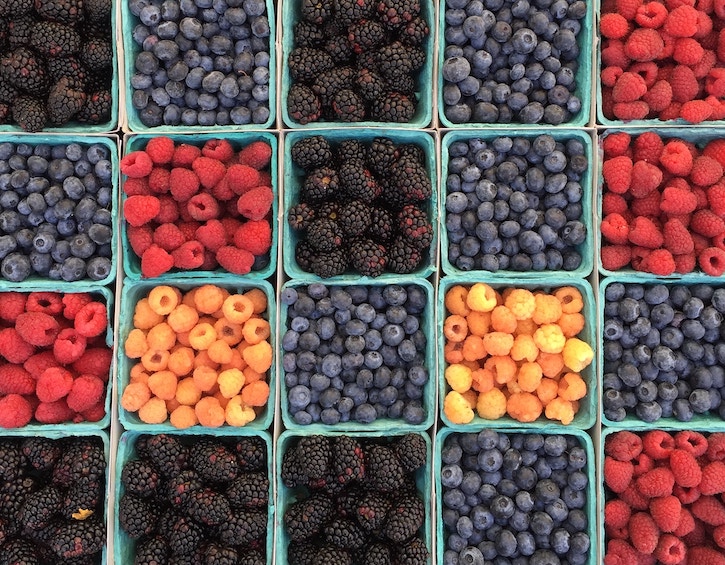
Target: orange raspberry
(161,336)
(202,359)
(529,376)
(479,323)
(163,299)
(181,361)
(503,320)
(258,298)
(455,328)
(155,360)
(255,394)
(570,298)
(135,345)
(491,405)
(526,327)
(182,318)
(134,396)
(220,352)
(483,380)
(251,376)
(471,397)
(236,361)
(163,384)
(183,417)
(238,308)
(524,407)
(153,412)
(502,367)
(209,412)
(138,374)
(453,351)
(187,393)
(498,343)
(571,324)
(144,318)
(548,309)
(202,336)
(473,348)
(521,302)
(524,348)
(255,330)
(547,390)
(209,298)
(205,378)
(258,356)
(455,300)
(572,387)
(560,409)
(552,364)
(228,332)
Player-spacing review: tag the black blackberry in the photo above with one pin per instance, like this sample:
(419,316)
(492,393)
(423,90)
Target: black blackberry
(97,54)
(405,518)
(395,59)
(300,215)
(305,518)
(350,11)
(64,102)
(412,151)
(79,537)
(376,554)
(18,552)
(40,507)
(8,93)
(372,511)
(383,470)
(414,552)
(305,63)
(213,461)
(184,536)
(70,68)
(355,217)
(152,551)
(358,182)
(316,11)
(308,35)
(324,234)
(220,555)
(293,471)
(411,177)
(249,490)
(13,494)
(12,459)
(97,11)
(402,83)
(394,107)
(347,501)
(84,495)
(137,517)
(414,32)
(329,83)
(415,226)
(304,255)
(351,150)
(97,108)
(339,48)
(329,210)
(311,152)
(381,155)
(330,263)
(344,534)
(5,113)
(252,557)
(330,555)
(140,478)
(412,451)
(52,39)
(370,84)
(381,224)
(367,257)
(81,458)
(29,113)
(367,60)
(365,35)
(394,13)
(348,106)
(302,553)
(403,257)
(303,105)
(64,11)
(244,527)
(180,487)
(319,185)
(25,71)
(19,31)
(168,455)
(207,506)
(314,454)
(15,8)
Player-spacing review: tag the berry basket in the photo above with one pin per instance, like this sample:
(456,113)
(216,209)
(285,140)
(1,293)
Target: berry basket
(109,143)
(424,110)
(700,136)
(287,496)
(585,442)
(294,178)
(102,294)
(134,292)
(585,249)
(583,90)
(124,546)
(131,261)
(586,415)
(709,420)
(379,424)
(131,49)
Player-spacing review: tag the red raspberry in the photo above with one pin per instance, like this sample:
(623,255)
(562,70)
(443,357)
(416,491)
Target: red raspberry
(37,328)
(712,261)
(718,536)
(607,103)
(255,204)
(643,463)
(686,523)
(688,51)
(709,510)
(159,180)
(93,414)
(720,48)
(646,177)
(69,346)
(677,239)
(701,242)
(705,556)
(254,236)
(615,144)
(12,304)
(210,263)
(15,411)
(670,550)
(628,8)
(53,412)
(140,238)
(231,225)
(716,199)
(665,512)
(686,495)
(136,164)
(648,147)
(610,532)
(160,150)
(716,446)
(623,446)
(50,303)
(95,361)
(648,70)
(617,474)
(211,235)
(36,364)
(140,210)
(678,201)
(184,155)
(53,384)
(257,155)
(73,302)
(713,478)
(697,536)
(209,171)
(676,158)
(615,229)
(644,233)
(222,191)
(643,532)
(168,236)
(635,499)
(219,149)
(14,379)
(616,513)
(613,26)
(617,173)
(629,87)
(91,320)
(691,441)
(681,22)
(235,260)
(705,64)
(707,223)
(660,262)
(715,82)
(615,257)
(631,110)
(704,24)
(242,178)
(613,204)
(695,111)
(685,468)
(651,14)
(203,207)
(155,262)
(184,184)
(610,75)
(619,552)
(657,482)
(706,171)
(87,390)
(684,84)
(643,44)
(716,150)
(189,255)
(613,54)
(672,112)
(136,187)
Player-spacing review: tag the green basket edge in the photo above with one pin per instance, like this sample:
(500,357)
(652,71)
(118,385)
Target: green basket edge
(131,422)
(379,425)
(291,191)
(586,417)
(586,249)
(131,263)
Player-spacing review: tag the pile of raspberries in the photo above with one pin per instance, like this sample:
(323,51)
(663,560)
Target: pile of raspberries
(663,205)
(663,60)
(199,208)
(664,498)
(54,361)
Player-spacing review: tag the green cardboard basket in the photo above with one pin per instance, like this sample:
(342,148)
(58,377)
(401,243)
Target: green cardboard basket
(586,249)
(294,177)
(131,49)
(424,110)
(132,293)
(584,440)
(700,136)
(132,262)
(585,40)
(287,496)
(702,420)
(586,417)
(380,424)
(124,548)
(36,139)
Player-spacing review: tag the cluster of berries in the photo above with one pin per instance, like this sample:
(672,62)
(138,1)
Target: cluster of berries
(55,218)
(56,62)
(203,356)
(356,60)
(664,351)
(199,501)
(361,207)
(355,353)
(663,204)
(514,352)
(200,62)
(516,498)
(662,60)
(55,360)
(664,498)
(357,500)
(192,208)
(52,494)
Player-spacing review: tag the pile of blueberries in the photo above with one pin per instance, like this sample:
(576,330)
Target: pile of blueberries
(55,211)
(516,204)
(664,351)
(201,62)
(355,353)
(514,498)
(512,60)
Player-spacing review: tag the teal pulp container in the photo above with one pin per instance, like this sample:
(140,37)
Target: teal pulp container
(428,400)
(135,291)
(294,178)
(585,40)
(547,430)
(586,417)
(131,49)
(86,141)
(132,262)
(424,83)
(586,249)
(286,496)
(124,549)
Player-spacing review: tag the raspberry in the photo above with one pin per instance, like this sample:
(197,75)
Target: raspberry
(222,191)
(235,260)
(643,532)
(676,158)
(219,149)
(256,203)
(73,302)
(695,111)
(155,262)
(716,150)
(95,361)
(15,411)
(705,556)
(136,187)
(91,320)
(709,510)
(53,384)
(713,478)
(69,346)
(615,257)
(715,82)
(136,164)
(613,204)
(716,447)
(684,84)
(678,201)
(685,468)
(665,512)
(203,207)
(12,304)
(648,147)
(706,223)
(712,261)
(697,536)
(646,177)
(659,96)
(651,15)
(626,111)
(254,236)
(616,144)
(613,26)
(189,255)
(670,550)
(619,552)
(616,513)
(159,180)
(677,238)
(139,210)
(211,235)
(716,199)
(634,498)
(53,412)
(643,44)
(39,362)
(50,303)
(615,229)
(617,174)
(623,446)
(140,238)
(657,482)
(37,328)
(629,87)
(706,171)
(617,474)
(686,495)
(628,8)
(644,232)
(642,464)
(242,178)
(681,22)
(87,390)
(686,523)
(183,184)
(160,150)
(660,262)
(658,444)
(672,112)
(189,229)
(168,210)
(168,236)
(14,379)
(209,171)
(257,155)
(610,75)
(184,155)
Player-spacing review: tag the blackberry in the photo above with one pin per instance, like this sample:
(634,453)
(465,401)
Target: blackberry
(140,478)
(303,105)
(321,184)
(339,48)
(305,518)
(82,458)
(25,71)
(394,107)
(220,555)
(312,152)
(207,507)
(244,527)
(368,257)
(18,552)
(15,8)
(351,150)
(403,257)
(382,154)
(415,226)
(383,469)
(19,31)
(64,11)
(397,59)
(64,102)
(97,108)
(5,113)
(29,113)
(394,13)
(70,68)
(405,518)
(372,511)
(213,461)
(305,63)
(329,83)
(97,54)
(167,454)
(324,234)
(370,84)
(355,217)
(316,11)
(365,35)
(11,460)
(330,264)
(358,182)
(180,487)
(344,534)
(13,494)
(350,11)
(314,454)
(348,106)
(97,11)
(300,215)
(329,210)
(293,471)
(413,553)
(401,83)
(329,555)
(40,507)
(412,451)
(52,39)
(414,32)
(252,557)
(302,553)
(376,554)
(412,151)
(8,93)
(249,490)
(308,35)
(381,224)
(80,537)
(152,551)
(184,536)
(411,177)
(251,453)
(304,255)
(137,517)
(84,495)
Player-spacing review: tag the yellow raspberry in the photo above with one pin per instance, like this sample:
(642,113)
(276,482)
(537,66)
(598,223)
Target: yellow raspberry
(230,333)
(548,309)
(202,335)
(230,382)
(455,300)
(521,302)
(163,384)
(458,377)
(182,318)
(183,417)
(161,336)
(549,338)
(155,360)
(153,412)
(181,361)
(457,409)
(237,308)
(524,407)
(572,387)
(481,298)
(220,352)
(255,330)
(502,367)
(529,377)
(570,298)
(562,410)
(209,298)
(237,413)
(258,298)
(135,345)
(498,343)
(577,354)
(134,396)
(187,393)
(258,356)
(503,320)
(144,318)
(163,299)
(491,405)
(455,328)
(524,348)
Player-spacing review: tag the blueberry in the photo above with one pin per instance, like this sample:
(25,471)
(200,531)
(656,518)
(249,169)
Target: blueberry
(15,267)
